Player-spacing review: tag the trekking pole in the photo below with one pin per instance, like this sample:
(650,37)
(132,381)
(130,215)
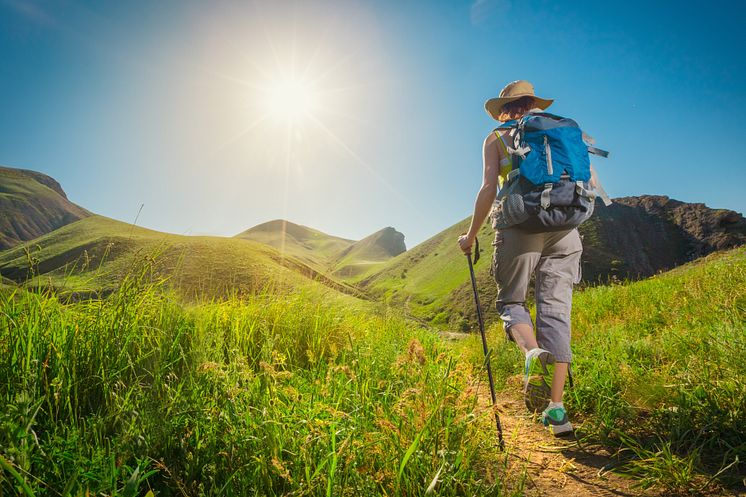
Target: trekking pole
(484,342)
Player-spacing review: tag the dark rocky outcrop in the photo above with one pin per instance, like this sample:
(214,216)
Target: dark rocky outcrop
(637,237)
(31,205)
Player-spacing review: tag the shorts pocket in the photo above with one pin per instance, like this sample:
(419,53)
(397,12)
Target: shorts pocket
(579,272)
(495,257)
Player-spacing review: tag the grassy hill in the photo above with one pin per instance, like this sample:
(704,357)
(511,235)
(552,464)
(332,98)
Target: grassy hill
(95,253)
(424,278)
(313,247)
(32,204)
(282,395)
(345,259)
(368,253)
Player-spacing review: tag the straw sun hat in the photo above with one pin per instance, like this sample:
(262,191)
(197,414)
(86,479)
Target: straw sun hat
(514,91)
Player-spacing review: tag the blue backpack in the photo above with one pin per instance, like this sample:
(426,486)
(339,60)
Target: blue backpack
(547,188)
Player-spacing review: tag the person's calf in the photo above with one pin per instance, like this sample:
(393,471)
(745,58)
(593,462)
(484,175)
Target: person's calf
(558,381)
(523,336)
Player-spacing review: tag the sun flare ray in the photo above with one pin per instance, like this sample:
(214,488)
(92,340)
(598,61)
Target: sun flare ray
(244,132)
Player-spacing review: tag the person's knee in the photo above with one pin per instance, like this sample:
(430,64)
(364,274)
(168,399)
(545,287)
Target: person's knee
(513,314)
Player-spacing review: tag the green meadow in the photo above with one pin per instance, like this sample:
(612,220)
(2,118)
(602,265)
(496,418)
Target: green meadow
(301,393)
(431,281)
(91,256)
(267,394)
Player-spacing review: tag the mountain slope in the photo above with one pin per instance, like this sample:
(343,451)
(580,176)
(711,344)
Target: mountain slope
(637,237)
(311,246)
(634,238)
(32,204)
(346,259)
(423,277)
(95,253)
(370,251)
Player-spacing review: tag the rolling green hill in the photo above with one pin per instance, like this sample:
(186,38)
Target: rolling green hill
(370,252)
(313,247)
(345,259)
(95,253)
(424,278)
(635,237)
(32,204)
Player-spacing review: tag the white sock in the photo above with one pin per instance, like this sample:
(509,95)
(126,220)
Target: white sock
(555,405)
(532,350)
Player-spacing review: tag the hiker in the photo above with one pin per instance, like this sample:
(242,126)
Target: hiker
(552,255)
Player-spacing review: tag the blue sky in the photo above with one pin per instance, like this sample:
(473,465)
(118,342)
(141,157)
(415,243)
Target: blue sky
(164,104)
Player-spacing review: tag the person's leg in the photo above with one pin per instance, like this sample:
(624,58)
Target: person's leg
(516,261)
(523,336)
(556,273)
(558,381)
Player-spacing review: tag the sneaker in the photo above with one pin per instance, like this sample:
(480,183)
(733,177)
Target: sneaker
(536,388)
(555,418)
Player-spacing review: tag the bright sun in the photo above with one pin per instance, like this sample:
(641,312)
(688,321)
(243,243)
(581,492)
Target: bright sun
(291,99)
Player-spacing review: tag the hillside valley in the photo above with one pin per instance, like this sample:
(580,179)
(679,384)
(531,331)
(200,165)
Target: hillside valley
(285,329)
(634,238)
(327,253)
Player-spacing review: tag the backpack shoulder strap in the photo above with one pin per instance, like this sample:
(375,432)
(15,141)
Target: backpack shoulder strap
(502,143)
(506,163)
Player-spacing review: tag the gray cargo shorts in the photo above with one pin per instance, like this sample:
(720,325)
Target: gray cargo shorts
(554,259)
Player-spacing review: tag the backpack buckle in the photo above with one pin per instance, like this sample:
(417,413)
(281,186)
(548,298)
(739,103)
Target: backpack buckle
(545,200)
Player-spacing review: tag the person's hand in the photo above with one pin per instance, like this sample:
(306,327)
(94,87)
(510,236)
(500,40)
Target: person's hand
(465,242)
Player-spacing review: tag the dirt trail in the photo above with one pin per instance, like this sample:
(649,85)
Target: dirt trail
(555,466)
(559,466)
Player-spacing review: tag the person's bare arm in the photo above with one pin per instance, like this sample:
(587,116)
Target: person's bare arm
(487,193)
(593,182)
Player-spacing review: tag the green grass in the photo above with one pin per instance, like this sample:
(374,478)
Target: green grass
(270,394)
(660,372)
(269,381)
(5,283)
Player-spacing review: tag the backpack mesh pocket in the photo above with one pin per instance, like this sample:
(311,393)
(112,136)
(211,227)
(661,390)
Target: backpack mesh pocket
(508,211)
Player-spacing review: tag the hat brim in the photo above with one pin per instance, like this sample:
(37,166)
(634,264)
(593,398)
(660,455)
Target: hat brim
(493,106)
